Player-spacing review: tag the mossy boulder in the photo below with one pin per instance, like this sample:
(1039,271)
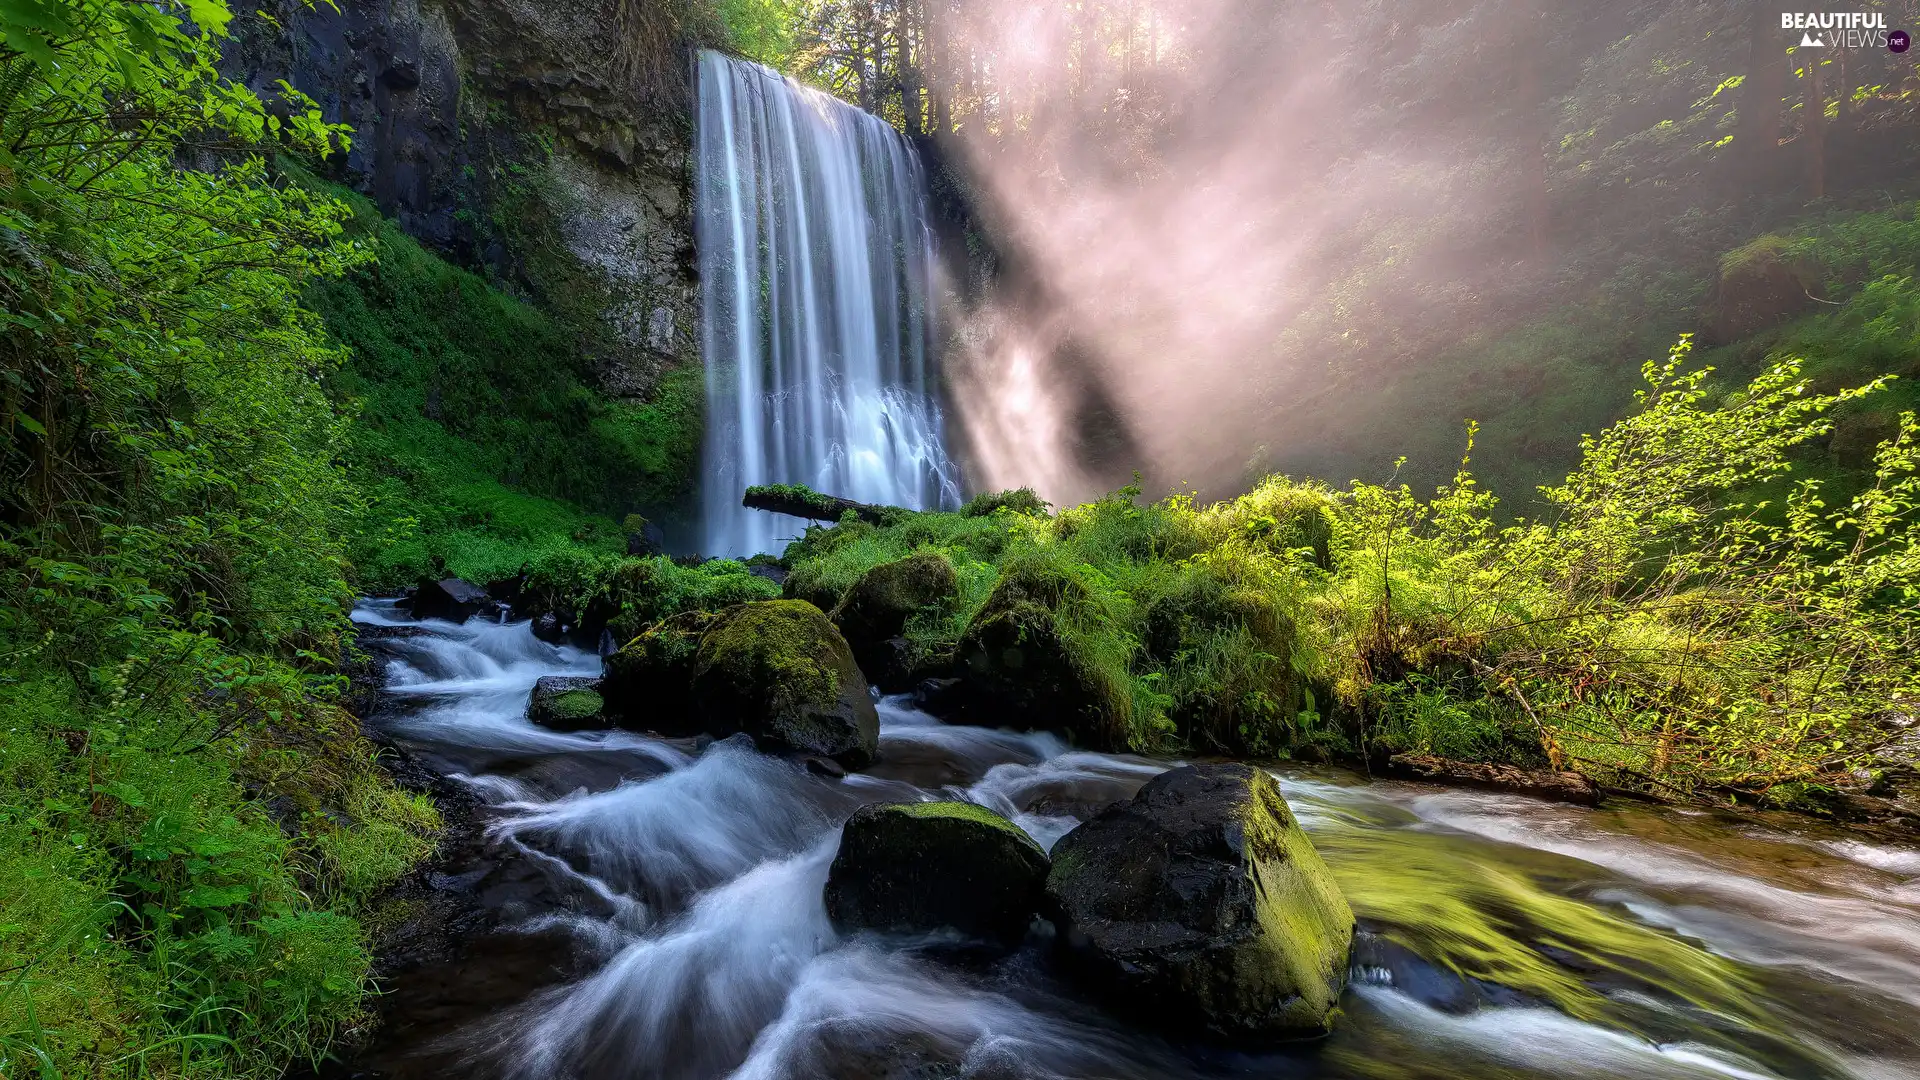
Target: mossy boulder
(1017,664)
(874,612)
(567,703)
(1762,284)
(923,867)
(648,685)
(779,671)
(1200,906)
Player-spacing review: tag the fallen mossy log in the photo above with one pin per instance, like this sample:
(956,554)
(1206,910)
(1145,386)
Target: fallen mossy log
(799,501)
(1560,786)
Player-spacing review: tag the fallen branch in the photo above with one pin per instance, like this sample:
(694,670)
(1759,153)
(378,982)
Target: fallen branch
(804,502)
(1560,786)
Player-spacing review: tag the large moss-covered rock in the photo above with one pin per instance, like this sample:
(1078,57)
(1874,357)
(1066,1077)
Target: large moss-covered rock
(648,685)
(1201,906)
(567,703)
(1017,665)
(921,867)
(779,671)
(874,612)
(1762,284)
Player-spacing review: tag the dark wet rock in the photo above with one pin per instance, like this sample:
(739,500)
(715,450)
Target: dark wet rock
(776,670)
(779,671)
(451,599)
(1016,661)
(874,612)
(936,695)
(773,572)
(644,538)
(567,703)
(1199,906)
(549,628)
(1560,786)
(508,590)
(826,767)
(922,867)
(648,684)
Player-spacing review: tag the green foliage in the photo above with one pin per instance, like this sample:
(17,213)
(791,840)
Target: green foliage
(1667,625)
(186,819)
(760,30)
(478,439)
(634,594)
(1019,501)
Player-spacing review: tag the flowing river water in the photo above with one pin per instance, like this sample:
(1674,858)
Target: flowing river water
(1500,936)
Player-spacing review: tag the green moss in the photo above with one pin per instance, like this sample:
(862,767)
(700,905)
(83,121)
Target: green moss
(783,649)
(478,437)
(797,493)
(577,705)
(954,810)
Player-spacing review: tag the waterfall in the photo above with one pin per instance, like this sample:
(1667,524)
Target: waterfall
(815,259)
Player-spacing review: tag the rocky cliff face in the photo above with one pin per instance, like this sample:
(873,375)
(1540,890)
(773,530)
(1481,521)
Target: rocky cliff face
(547,144)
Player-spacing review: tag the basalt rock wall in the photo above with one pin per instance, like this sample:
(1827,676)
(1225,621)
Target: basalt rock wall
(546,145)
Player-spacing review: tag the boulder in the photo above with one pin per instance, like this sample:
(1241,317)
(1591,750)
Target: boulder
(873,614)
(550,629)
(1014,660)
(648,683)
(451,599)
(779,671)
(567,703)
(1199,905)
(644,538)
(1762,285)
(922,867)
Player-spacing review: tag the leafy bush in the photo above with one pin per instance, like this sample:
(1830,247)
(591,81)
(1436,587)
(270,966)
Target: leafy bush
(186,819)
(1670,624)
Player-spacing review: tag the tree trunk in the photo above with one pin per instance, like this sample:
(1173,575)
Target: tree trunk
(1814,127)
(802,503)
(905,72)
(1766,85)
(1534,131)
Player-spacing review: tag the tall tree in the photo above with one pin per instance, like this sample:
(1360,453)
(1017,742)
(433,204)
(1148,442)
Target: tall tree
(1813,124)
(1765,85)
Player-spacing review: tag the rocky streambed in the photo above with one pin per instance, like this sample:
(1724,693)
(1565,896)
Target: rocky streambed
(621,904)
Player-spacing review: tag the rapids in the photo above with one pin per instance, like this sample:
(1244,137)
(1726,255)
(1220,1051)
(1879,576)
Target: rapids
(1500,937)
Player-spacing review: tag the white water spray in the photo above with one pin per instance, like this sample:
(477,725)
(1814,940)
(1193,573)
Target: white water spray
(815,258)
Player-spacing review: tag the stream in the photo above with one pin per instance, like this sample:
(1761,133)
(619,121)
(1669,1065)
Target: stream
(1499,936)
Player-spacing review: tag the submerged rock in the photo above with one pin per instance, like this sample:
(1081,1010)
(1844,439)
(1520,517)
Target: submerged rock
(779,671)
(1200,906)
(921,867)
(567,703)
(451,599)
(873,614)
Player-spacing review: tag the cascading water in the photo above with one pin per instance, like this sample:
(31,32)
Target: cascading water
(667,893)
(815,262)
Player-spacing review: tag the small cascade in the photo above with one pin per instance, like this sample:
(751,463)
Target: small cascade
(815,261)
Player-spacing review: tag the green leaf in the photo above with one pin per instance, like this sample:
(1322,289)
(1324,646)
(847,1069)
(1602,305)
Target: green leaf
(214,896)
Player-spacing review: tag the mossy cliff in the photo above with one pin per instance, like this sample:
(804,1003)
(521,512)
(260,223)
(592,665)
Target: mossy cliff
(523,353)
